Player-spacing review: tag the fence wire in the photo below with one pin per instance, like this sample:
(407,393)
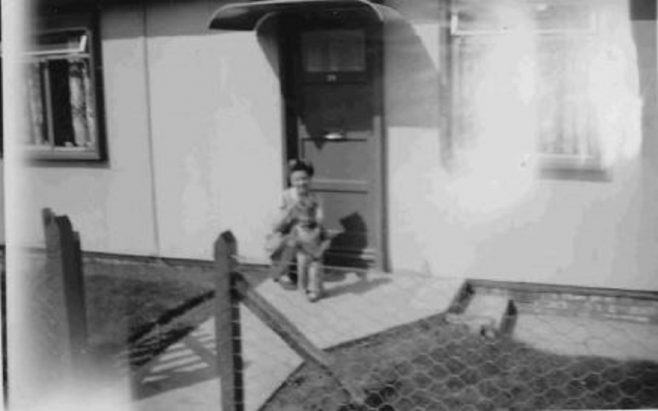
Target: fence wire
(373,341)
(404,341)
(415,342)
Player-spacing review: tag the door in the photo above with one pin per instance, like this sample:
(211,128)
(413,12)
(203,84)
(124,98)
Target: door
(332,90)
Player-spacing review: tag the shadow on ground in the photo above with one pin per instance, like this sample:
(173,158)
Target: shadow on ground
(144,317)
(361,286)
(190,361)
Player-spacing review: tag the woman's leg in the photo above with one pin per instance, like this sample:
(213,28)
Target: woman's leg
(282,265)
(315,279)
(303,261)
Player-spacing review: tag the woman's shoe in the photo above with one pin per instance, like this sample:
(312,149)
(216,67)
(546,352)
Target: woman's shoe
(312,296)
(286,283)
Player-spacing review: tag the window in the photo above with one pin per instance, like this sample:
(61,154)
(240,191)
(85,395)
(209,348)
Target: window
(333,55)
(334,50)
(62,96)
(554,64)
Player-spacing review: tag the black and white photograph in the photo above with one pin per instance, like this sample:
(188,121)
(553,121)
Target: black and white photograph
(329,205)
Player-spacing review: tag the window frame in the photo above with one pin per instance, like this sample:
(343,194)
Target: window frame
(88,24)
(589,28)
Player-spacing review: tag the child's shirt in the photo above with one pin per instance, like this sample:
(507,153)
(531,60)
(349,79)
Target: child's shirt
(307,208)
(303,222)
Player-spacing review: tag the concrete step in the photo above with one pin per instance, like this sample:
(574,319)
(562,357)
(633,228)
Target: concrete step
(623,305)
(487,314)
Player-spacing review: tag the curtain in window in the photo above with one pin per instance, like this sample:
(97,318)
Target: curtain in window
(37,134)
(614,91)
(588,88)
(81,97)
(565,114)
(572,73)
(90,110)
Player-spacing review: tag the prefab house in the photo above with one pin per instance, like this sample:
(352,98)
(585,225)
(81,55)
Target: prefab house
(502,139)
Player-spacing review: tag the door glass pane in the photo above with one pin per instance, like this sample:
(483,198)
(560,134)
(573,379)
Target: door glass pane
(333,51)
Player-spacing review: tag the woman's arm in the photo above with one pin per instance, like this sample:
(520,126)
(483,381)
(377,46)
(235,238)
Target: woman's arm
(284,217)
(319,211)
(322,248)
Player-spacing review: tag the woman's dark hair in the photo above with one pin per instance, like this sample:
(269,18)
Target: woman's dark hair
(300,165)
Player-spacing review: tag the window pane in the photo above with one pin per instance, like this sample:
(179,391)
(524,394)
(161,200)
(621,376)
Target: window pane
(82,113)
(474,16)
(333,50)
(565,113)
(61,103)
(469,69)
(73,116)
(70,41)
(35,91)
(552,16)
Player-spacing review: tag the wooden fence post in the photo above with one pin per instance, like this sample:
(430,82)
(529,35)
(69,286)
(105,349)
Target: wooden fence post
(227,325)
(3,336)
(64,260)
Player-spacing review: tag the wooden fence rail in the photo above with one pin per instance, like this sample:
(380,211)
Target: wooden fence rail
(231,289)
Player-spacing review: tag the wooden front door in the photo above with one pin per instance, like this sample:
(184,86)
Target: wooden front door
(332,73)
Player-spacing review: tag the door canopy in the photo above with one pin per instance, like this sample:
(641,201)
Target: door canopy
(247,15)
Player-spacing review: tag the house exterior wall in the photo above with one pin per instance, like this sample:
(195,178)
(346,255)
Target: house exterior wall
(2,202)
(499,219)
(215,109)
(193,135)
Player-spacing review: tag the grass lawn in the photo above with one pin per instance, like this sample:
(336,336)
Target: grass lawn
(122,312)
(136,311)
(434,365)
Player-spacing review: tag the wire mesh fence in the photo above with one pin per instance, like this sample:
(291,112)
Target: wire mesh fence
(416,342)
(382,341)
(436,365)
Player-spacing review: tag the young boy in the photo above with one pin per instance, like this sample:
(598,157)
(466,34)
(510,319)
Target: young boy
(299,225)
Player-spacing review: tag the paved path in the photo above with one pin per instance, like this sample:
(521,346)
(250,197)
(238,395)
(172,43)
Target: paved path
(184,377)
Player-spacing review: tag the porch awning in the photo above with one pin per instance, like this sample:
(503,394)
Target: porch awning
(246,15)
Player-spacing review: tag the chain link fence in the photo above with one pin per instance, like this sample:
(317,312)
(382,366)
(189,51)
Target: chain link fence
(435,365)
(381,341)
(414,342)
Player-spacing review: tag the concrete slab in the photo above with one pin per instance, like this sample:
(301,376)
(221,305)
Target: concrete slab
(587,336)
(486,314)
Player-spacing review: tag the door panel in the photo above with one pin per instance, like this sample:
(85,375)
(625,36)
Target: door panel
(336,107)
(354,155)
